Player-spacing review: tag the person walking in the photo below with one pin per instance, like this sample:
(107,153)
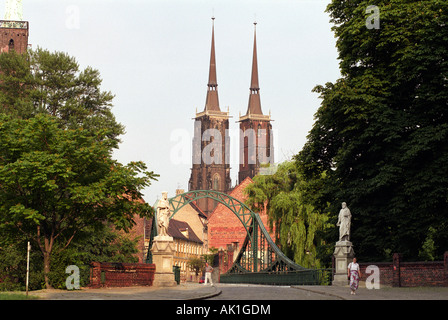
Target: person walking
(208,274)
(354,274)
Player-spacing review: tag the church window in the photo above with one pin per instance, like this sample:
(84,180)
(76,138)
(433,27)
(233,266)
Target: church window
(216,182)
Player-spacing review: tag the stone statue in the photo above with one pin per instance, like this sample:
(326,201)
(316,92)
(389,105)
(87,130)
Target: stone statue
(163,214)
(344,222)
(163,247)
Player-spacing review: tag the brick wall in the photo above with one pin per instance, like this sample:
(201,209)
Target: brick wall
(416,274)
(225,259)
(225,228)
(19,36)
(121,274)
(386,272)
(410,274)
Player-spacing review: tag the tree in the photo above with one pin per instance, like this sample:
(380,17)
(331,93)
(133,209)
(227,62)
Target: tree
(57,134)
(380,134)
(55,182)
(297,224)
(101,243)
(15,85)
(197,264)
(97,243)
(51,82)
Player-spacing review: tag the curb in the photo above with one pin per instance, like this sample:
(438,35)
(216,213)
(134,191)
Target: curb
(320,292)
(207,296)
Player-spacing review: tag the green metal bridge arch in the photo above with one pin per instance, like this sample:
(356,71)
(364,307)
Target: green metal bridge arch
(242,211)
(259,260)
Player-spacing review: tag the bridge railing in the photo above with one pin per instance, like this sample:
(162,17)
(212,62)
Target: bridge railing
(259,261)
(297,277)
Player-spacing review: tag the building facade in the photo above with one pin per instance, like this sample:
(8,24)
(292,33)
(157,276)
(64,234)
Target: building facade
(225,230)
(211,143)
(256,139)
(187,245)
(211,167)
(14,32)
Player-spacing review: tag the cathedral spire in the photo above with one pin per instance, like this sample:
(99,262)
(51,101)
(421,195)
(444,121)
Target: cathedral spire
(254,79)
(14,10)
(212,101)
(254,98)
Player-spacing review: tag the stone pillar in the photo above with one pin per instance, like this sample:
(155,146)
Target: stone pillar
(396,282)
(445,267)
(95,275)
(343,255)
(163,256)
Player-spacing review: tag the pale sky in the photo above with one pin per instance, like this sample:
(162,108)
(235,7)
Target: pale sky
(154,56)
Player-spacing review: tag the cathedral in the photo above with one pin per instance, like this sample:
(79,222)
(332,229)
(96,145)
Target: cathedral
(211,168)
(14,31)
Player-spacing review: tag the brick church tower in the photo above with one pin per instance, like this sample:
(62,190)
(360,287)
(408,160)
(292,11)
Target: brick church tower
(256,140)
(211,168)
(13,30)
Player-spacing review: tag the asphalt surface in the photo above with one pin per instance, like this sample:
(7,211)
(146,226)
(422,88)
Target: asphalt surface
(193,291)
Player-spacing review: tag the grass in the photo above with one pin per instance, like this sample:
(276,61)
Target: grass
(15,296)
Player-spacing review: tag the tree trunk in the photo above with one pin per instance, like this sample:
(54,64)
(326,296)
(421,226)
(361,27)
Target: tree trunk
(48,246)
(47,269)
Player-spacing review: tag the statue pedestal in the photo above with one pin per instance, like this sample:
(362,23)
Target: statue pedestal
(162,255)
(343,255)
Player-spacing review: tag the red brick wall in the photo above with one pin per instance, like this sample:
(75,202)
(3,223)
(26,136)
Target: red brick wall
(121,274)
(225,260)
(416,274)
(386,272)
(203,174)
(224,227)
(411,274)
(19,36)
(138,232)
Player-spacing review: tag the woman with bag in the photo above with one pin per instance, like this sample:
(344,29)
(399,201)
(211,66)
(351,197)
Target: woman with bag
(354,274)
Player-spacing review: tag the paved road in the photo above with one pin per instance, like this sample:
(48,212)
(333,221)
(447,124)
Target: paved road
(185,291)
(259,292)
(236,292)
(263,302)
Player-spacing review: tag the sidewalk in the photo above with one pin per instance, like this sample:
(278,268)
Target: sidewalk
(195,291)
(184,291)
(384,293)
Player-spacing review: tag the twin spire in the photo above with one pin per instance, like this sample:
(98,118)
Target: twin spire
(14,10)
(212,101)
(254,98)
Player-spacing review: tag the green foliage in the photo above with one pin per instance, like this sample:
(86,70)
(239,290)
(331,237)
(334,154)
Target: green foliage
(13,267)
(55,182)
(209,257)
(16,296)
(197,264)
(380,134)
(57,175)
(92,244)
(297,224)
(100,244)
(428,250)
(52,83)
